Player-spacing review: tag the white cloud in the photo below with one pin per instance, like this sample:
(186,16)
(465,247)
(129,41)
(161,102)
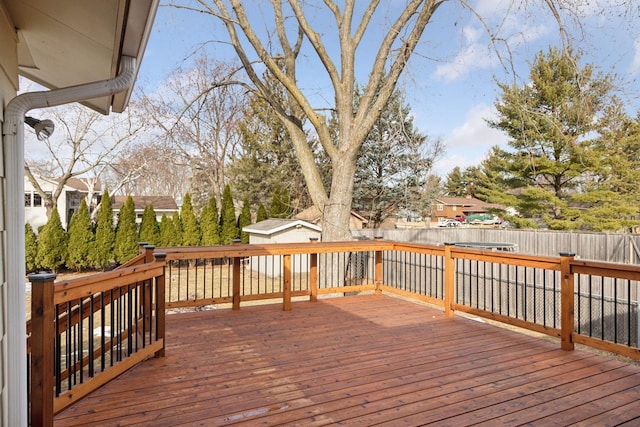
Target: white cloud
(469,143)
(474,55)
(512,28)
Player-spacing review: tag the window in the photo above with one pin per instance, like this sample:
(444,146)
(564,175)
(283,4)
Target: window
(27,200)
(440,207)
(37,200)
(455,208)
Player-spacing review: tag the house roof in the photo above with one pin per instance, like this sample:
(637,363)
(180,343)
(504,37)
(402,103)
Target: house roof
(64,43)
(460,201)
(159,203)
(471,204)
(78,184)
(275,225)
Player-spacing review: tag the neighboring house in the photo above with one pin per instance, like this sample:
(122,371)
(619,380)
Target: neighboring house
(72,194)
(161,205)
(449,207)
(312,215)
(276,230)
(60,44)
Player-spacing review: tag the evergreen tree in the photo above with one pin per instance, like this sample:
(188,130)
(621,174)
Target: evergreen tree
(167,232)
(126,244)
(244,220)
(52,243)
(610,197)
(262,214)
(267,159)
(30,248)
(550,122)
(456,185)
(209,223)
(81,239)
(176,225)
(149,230)
(228,226)
(190,226)
(280,207)
(102,253)
(394,165)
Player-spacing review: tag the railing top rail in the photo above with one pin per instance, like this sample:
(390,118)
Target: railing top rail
(551,263)
(86,286)
(246,250)
(606,269)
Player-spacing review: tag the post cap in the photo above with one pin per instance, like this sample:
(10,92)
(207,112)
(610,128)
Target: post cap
(569,254)
(42,277)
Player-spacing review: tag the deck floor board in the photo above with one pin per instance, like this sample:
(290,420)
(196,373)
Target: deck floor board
(361,360)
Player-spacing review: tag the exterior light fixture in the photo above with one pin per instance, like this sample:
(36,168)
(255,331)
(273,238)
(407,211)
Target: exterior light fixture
(43,128)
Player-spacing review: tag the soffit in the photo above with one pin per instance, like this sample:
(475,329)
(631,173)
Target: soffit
(63,43)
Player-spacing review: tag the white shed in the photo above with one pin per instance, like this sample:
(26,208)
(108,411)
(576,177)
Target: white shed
(276,230)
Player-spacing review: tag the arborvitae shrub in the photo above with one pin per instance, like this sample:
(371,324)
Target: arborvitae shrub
(102,253)
(190,227)
(244,220)
(52,244)
(149,230)
(30,248)
(81,239)
(126,246)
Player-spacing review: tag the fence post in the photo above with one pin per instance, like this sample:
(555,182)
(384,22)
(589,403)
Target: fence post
(286,282)
(449,280)
(377,275)
(567,302)
(313,273)
(160,304)
(236,278)
(42,343)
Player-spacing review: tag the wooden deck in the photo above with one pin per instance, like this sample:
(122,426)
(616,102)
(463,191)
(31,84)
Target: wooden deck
(361,360)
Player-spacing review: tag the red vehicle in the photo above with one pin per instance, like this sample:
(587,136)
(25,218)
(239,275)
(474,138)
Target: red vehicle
(460,218)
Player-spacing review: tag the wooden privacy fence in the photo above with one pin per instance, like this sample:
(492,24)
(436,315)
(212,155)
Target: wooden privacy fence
(596,246)
(577,301)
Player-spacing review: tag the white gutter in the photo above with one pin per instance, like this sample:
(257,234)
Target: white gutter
(15,366)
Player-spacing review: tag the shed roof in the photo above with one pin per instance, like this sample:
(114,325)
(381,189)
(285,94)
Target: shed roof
(275,225)
(312,214)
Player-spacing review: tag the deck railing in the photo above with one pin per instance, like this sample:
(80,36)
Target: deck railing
(577,301)
(86,331)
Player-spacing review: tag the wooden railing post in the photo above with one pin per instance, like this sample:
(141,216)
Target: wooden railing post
(286,282)
(160,304)
(42,339)
(313,273)
(236,279)
(377,275)
(449,280)
(567,302)
(146,300)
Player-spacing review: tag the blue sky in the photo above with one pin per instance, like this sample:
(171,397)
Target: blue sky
(450,82)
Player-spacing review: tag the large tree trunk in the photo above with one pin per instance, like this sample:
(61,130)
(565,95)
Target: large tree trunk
(337,210)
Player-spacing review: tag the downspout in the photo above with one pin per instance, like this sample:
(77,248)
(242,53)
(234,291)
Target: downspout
(13,135)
